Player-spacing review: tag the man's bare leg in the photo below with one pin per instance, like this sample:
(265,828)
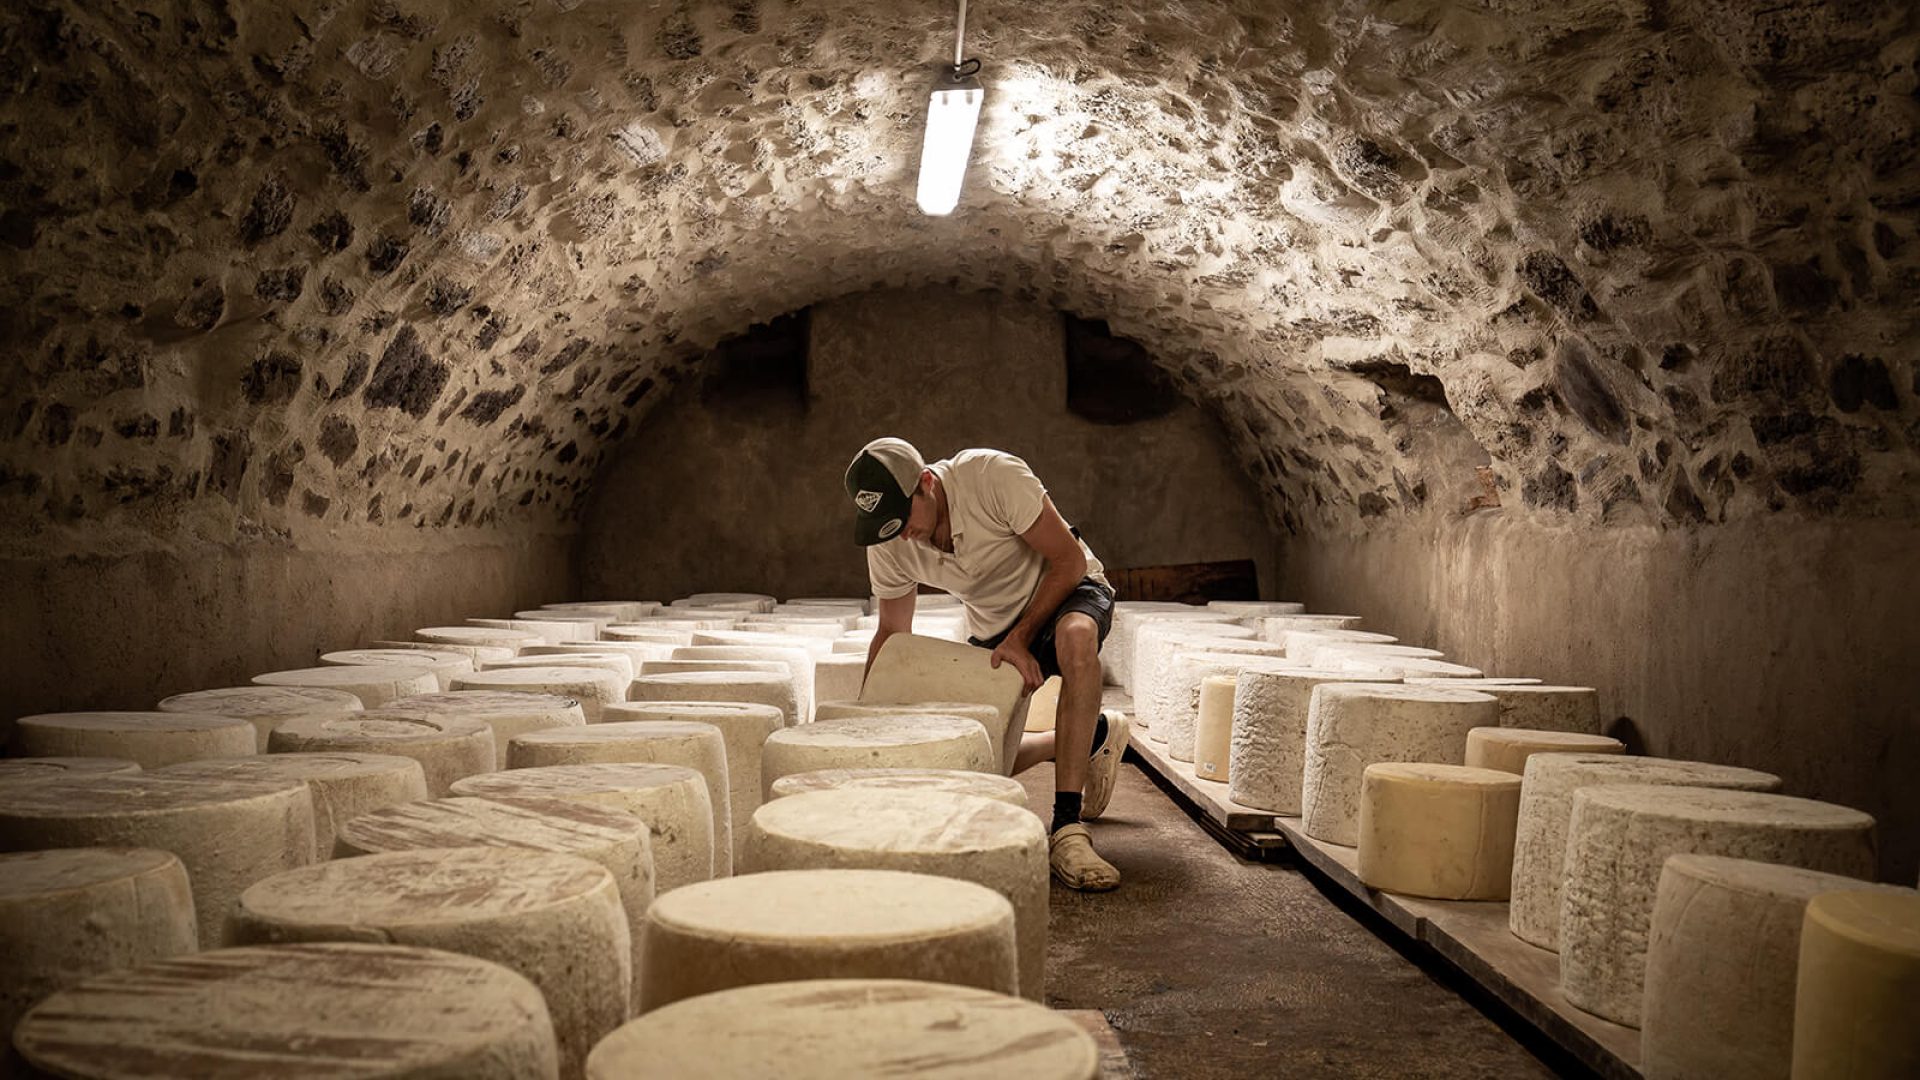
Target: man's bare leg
(1035,747)
(1076,646)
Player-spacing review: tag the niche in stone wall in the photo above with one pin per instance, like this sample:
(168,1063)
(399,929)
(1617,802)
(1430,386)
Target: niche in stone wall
(1112,379)
(761,370)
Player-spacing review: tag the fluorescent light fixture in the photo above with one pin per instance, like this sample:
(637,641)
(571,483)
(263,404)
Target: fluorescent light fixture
(952,114)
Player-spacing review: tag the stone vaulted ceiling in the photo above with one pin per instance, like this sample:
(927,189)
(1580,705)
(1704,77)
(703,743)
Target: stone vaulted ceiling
(274,267)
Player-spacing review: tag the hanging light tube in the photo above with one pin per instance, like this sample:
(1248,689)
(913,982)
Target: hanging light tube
(953,112)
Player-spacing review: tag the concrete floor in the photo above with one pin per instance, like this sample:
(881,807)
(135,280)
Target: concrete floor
(1210,966)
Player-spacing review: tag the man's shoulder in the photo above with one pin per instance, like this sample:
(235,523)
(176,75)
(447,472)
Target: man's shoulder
(981,461)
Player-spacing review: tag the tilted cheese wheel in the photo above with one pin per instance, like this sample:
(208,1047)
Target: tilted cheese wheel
(266,1011)
(374,684)
(957,781)
(915,669)
(593,687)
(27,770)
(508,713)
(1859,968)
(697,746)
(749,687)
(444,663)
(446,747)
(1351,726)
(555,919)
(1546,802)
(265,707)
(228,833)
(744,728)
(149,739)
(1507,749)
(670,799)
(1042,704)
(923,741)
(71,914)
(1618,839)
(613,838)
(1441,831)
(786,925)
(927,832)
(343,785)
(1267,755)
(828,1029)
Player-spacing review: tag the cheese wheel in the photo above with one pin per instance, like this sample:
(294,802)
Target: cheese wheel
(636,652)
(786,925)
(475,653)
(1276,627)
(555,919)
(374,684)
(71,914)
(1440,831)
(228,833)
(957,781)
(854,641)
(654,630)
(677,667)
(149,739)
(617,610)
(551,631)
(670,799)
(921,740)
(980,840)
(265,707)
(342,785)
(1180,679)
(1154,644)
(1548,708)
(839,676)
(828,1029)
(913,669)
(1546,802)
(1620,836)
(697,746)
(1507,749)
(1334,651)
(1858,980)
(580,617)
(444,663)
(749,687)
(447,747)
(477,635)
(799,662)
(27,770)
(615,839)
(593,687)
(273,1011)
(1241,609)
(508,713)
(1481,682)
(744,728)
(1116,656)
(1722,954)
(1351,726)
(1302,645)
(1406,667)
(617,663)
(1213,727)
(1267,751)
(745,601)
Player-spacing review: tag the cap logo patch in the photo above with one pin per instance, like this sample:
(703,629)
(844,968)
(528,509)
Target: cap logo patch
(866,501)
(890,528)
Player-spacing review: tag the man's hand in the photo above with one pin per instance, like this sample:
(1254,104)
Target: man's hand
(1012,652)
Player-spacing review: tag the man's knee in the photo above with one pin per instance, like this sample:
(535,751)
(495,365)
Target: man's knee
(1076,639)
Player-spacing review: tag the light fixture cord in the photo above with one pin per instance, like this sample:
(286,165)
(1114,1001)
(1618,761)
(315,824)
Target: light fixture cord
(960,35)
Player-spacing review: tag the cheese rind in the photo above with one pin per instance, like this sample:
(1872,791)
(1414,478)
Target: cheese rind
(1179,698)
(1267,751)
(444,663)
(342,785)
(913,741)
(507,713)
(1859,974)
(1213,728)
(751,687)
(593,686)
(1507,749)
(799,662)
(915,669)
(1439,831)
(1618,839)
(957,781)
(374,684)
(149,739)
(477,635)
(447,747)
(265,707)
(28,770)
(1351,726)
(838,676)
(744,728)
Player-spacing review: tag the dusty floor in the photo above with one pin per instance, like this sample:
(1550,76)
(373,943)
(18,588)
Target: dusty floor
(1209,966)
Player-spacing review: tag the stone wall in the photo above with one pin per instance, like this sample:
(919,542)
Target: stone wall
(749,496)
(1787,645)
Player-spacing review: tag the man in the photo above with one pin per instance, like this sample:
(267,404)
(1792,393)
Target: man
(979,525)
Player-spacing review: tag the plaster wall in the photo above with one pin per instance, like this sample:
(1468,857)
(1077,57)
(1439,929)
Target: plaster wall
(1785,645)
(945,370)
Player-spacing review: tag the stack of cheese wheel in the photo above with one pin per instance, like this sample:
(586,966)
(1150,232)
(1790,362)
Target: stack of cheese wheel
(799,662)
(342,785)
(149,739)
(826,1029)
(744,728)
(1267,755)
(785,925)
(1116,654)
(1178,700)
(555,919)
(697,746)
(507,713)
(477,635)
(1351,726)
(26,770)
(956,781)
(1619,837)
(1532,705)
(1439,831)
(1859,966)
(444,663)
(476,653)
(265,707)
(447,748)
(919,741)
(70,914)
(751,687)
(271,1011)
(374,684)
(1546,803)
(228,833)
(670,799)
(929,832)
(912,669)
(612,838)
(593,687)
(1722,952)
(1507,749)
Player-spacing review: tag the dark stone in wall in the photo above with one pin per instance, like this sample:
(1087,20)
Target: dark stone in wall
(406,378)
(285,284)
(565,357)
(1551,488)
(350,380)
(1549,279)
(1681,503)
(273,379)
(336,297)
(1861,380)
(278,481)
(314,504)
(1777,369)
(338,439)
(202,308)
(228,465)
(269,214)
(1812,456)
(445,297)
(332,231)
(1585,391)
(384,254)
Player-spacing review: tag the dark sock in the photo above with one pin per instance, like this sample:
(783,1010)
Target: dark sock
(1099,732)
(1066,810)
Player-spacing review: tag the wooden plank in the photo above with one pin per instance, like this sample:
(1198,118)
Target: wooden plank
(1188,583)
(1114,1064)
(1210,796)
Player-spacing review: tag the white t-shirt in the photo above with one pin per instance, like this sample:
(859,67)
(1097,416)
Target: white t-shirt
(992,497)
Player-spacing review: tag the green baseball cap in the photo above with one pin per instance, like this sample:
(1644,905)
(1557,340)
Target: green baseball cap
(881,481)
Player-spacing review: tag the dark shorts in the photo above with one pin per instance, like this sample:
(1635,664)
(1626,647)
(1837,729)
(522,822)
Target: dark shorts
(1089,598)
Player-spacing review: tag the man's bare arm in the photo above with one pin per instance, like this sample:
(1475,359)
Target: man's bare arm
(896,617)
(1066,565)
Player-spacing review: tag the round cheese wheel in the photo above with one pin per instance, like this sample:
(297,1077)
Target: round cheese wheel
(509,713)
(1507,749)
(957,781)
(475,653)
(265,707)
(1116,656)
(838,676)
(342,785)
(1440,831)
(750,687)
(1154,645)
(1351,726)
(636,652)
(27,770)
(374,684)
(744,728)
(593,687)
(447,747)
(799,662)
(1267,750)
(919,740)
(444,663)
(617,663)
(149,739)
(1213,727)
(1859,966)
(555,919)
(552,631)
(1179,683)
(477,635)
(1301,645)
(271,1011)
(1276,627)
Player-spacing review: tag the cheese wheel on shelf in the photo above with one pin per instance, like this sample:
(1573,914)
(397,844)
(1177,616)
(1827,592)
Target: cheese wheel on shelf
(750,687)
(1859,972)
(265,707)
(1213,728)
(1507,749)
(475,653)
(1351,726)
(911,741)
(1438,831)
(508,713)
(1267,749)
